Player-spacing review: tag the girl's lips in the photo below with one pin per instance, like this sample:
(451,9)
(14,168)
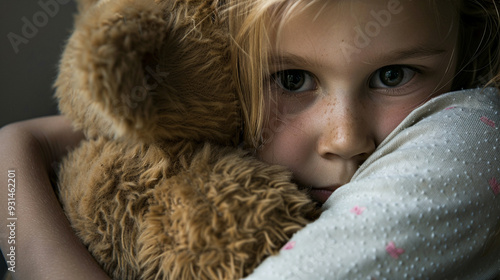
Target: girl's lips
(322,194)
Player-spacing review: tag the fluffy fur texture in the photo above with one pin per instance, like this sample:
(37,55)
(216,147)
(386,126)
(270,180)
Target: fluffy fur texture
(150,70)
(158,191)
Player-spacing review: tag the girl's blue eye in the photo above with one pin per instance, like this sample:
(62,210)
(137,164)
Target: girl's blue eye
(391,76)
(294,80)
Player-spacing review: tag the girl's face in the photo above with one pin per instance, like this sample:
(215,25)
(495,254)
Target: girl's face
(345,76)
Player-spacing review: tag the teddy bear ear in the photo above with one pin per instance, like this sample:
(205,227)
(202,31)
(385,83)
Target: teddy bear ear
(102,83)
(153,70)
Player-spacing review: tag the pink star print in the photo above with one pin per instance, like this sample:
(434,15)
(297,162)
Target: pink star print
(495,186)
(289,245)
(358,210)
(488,122)
(393,251)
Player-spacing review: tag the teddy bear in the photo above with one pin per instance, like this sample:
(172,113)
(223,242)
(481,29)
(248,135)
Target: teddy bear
(161,187)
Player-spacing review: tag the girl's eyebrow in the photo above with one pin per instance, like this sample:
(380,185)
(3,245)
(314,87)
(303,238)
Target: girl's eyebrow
(412,52)
(287,60)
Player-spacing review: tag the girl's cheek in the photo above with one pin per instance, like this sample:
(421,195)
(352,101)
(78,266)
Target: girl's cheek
(285,141)
(288,105)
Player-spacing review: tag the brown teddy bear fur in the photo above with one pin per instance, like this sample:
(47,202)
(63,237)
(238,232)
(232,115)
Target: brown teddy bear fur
(159,190)
(124,56)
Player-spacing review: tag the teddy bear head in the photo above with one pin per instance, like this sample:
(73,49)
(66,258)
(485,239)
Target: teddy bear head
(150,70)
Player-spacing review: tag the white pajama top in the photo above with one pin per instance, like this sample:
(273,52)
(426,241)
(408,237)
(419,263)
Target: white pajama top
(425,205)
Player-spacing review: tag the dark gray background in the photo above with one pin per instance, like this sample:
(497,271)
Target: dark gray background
(26,77)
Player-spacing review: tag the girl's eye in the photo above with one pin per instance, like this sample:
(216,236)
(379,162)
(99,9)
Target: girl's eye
(391,76)
(294,80)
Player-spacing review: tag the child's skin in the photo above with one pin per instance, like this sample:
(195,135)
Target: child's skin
(46,247)
(334,108)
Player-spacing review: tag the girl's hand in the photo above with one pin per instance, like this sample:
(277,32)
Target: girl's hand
(35,236)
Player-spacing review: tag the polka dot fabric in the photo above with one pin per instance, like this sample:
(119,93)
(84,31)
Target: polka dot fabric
(425,205)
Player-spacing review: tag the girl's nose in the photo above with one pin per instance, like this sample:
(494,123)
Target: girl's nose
(346,134)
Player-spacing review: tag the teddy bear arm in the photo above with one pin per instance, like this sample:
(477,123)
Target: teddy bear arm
(220,217)
(105,191)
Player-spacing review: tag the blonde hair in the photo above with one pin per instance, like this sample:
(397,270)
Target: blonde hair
(252,23)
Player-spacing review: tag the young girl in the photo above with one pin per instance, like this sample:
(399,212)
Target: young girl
(352,97)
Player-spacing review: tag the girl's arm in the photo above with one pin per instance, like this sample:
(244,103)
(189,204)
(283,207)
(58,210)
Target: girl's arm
(35,236)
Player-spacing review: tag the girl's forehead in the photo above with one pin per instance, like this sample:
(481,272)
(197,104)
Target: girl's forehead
(357,27)
(375,14)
